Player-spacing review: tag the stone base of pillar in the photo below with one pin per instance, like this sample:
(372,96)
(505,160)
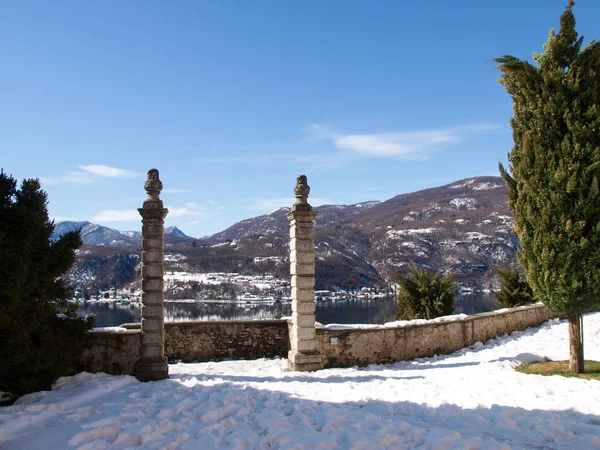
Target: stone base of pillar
(304,362)
(151,369)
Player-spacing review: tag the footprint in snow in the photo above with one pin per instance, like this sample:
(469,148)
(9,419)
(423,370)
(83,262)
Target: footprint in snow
(220,414)
(84,413)
(288,409)
(100,423)
(128,440)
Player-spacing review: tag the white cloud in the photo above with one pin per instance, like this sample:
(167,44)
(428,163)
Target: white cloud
(105,171)
(117,215)
(69,178)
(190,210)
(88,176)
(402,145)
(412,145)
(270,204)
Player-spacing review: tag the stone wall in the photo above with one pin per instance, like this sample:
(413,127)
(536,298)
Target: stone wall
(360,347)
(204,341)
(117,352)
(113,352)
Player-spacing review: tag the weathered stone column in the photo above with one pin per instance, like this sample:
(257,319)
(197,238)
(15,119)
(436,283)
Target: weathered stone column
(153,364)
(303,355)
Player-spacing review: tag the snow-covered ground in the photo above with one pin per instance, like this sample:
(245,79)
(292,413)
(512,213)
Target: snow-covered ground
(472,399)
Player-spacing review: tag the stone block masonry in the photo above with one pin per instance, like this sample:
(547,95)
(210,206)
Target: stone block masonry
(111,352)
(361,347)
(303,354)
(116,352)
(206,341)
(152,364)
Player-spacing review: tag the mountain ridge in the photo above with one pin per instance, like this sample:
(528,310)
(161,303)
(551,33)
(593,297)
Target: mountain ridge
(464,227)
(97,235)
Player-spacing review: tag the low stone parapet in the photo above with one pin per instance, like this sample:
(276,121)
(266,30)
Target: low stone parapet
(205,341)
(405,341)
(115,350)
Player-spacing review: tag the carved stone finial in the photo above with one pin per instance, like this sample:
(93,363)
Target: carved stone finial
(301,191)
(153,186)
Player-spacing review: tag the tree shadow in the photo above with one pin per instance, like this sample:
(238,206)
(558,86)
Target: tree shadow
(176,413)
(289,379)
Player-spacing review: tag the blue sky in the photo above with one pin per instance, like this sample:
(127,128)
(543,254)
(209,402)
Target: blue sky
(231,100)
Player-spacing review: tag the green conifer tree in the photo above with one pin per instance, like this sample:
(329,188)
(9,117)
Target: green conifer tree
(515,291)
(426,294)
(555,164)
(40,333)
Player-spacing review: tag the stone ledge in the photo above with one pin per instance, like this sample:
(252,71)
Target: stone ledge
(108,332)
(224,322)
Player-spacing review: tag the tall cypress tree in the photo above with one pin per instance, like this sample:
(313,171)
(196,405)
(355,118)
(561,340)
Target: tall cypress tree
(40,333)
(555,164)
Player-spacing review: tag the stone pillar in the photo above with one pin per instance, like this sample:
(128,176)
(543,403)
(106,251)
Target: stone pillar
(153,364)
(303,355)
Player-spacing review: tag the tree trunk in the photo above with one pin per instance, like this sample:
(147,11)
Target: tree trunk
(575,343)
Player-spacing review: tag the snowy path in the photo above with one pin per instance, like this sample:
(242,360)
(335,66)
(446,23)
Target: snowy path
(472,399)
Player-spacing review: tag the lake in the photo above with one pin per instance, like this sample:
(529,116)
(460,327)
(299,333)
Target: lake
(376,311)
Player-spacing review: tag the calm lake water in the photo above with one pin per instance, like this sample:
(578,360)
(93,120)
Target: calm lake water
(375,311)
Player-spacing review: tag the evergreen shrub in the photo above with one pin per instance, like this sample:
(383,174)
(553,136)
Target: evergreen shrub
(515,291)
(41,335)
(425,294)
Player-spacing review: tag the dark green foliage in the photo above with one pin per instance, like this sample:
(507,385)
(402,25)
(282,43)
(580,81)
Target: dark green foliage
(425,294)
(40,333)
(515,291)
(555,164)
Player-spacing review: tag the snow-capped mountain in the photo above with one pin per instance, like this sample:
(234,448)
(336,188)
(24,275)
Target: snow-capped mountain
(276,222)
(97,235)
(174,231)
(93,234)
(463,228)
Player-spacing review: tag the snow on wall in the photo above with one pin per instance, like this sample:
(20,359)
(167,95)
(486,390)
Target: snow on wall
(341,345)
(345,346)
